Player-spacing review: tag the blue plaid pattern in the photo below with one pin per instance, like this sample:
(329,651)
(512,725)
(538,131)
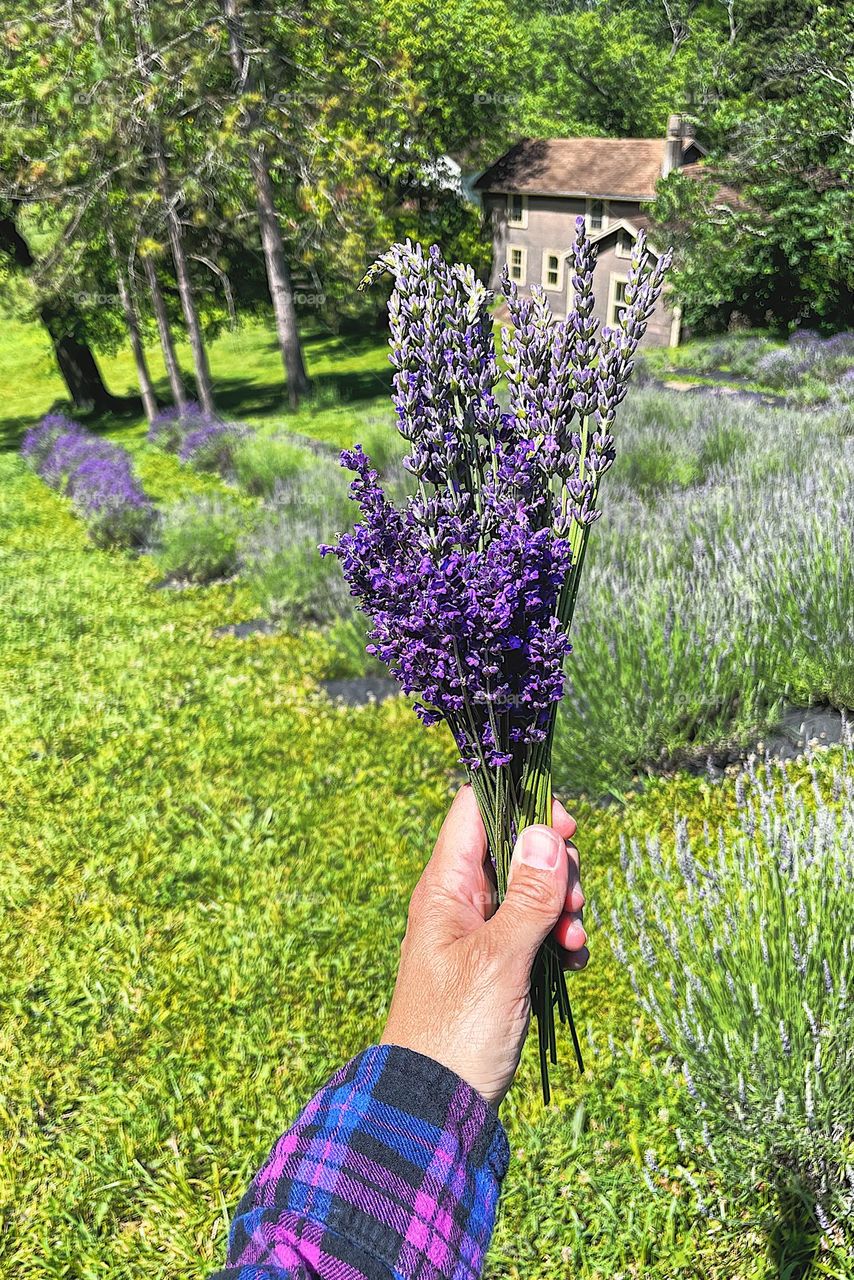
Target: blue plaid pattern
(392,1172)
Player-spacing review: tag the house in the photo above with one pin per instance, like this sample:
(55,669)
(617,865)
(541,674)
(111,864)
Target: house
(532,196)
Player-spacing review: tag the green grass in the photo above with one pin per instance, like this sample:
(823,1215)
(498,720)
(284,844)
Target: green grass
(204,879)
(350,374)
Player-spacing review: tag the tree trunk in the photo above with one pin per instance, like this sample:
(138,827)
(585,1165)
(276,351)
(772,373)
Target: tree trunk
(170,360)
(279,281)
(204,386)
(146,388)
(77,364)
(278,271)
(78,367)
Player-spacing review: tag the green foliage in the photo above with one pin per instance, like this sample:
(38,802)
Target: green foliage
(263,461)
(741,950)
(198,539)
(780,248)
(285,574)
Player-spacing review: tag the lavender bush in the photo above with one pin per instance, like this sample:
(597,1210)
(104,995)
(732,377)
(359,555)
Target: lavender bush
(470,585)
(198,540)
(711,606)
(810,365)
(212,446)
(40,439)
(203,441)
(96,475)
(169,427)
(262,462)
(741,951)
(281,566)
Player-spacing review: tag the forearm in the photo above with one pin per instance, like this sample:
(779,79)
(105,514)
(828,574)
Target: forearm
(392,1172)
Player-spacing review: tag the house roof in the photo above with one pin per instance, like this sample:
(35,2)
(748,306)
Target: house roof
(623,224)
(724,194)
(625,168)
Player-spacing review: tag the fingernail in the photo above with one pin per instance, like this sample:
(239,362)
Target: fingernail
(540,847)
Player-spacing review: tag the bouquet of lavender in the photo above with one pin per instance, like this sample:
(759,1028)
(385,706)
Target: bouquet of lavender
(470,586)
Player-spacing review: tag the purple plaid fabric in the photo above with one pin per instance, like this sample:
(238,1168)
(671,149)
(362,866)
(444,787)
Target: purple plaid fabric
(392,1172)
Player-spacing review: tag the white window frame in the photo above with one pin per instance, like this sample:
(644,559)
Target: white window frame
(522,221)
(588,214)
(518,248)
(623,237)
(615,279)
(553,253)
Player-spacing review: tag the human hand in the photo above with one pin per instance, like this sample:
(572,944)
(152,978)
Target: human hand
(462,995)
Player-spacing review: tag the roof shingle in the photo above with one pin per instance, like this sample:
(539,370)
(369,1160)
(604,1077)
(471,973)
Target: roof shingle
(626,167)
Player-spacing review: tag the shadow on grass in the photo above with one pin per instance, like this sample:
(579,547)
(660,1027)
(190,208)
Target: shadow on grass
(234,397)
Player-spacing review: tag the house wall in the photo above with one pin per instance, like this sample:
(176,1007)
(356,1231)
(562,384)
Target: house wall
(550,228)
(610,268)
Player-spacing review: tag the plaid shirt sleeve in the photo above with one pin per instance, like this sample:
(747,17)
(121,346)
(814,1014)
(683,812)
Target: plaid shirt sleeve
(392,1172)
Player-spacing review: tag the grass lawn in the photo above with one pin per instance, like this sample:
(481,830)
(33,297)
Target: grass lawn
(351,374)
(204,873)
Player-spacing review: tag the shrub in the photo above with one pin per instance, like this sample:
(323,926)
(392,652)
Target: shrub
(656,464)
(212,446)
(112,502)
(199,539)
(284,571)
(710,606)
(40,439)
(732,351)
(97,476)
(204,441)
(169,427)
(262,462)
(741,950)
(785,367)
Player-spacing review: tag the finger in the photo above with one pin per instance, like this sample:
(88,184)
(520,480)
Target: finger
(461,847)
(574,893)
(574,960)
(569,931)
(456,874)
(563,822)
(536,891)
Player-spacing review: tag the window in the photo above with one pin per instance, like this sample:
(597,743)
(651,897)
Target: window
(597,215)
(517,263)
(517,210)
(552,269)
(624,244)
(617,302)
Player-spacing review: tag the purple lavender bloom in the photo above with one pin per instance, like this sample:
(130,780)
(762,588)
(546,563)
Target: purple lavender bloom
(96,475)
(39,440)
(169,427)
(211,445)
(468,585)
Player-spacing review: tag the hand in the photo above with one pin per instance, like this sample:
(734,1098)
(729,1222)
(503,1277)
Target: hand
(463,988)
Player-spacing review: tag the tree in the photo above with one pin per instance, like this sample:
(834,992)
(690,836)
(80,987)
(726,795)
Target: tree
(74,356)
(149,400)
(145,56)
(278,270)
(778,245)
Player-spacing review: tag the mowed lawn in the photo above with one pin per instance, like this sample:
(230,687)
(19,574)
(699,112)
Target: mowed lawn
(204,873)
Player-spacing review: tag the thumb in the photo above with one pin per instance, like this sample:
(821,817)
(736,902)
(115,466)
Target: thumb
(536,893)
